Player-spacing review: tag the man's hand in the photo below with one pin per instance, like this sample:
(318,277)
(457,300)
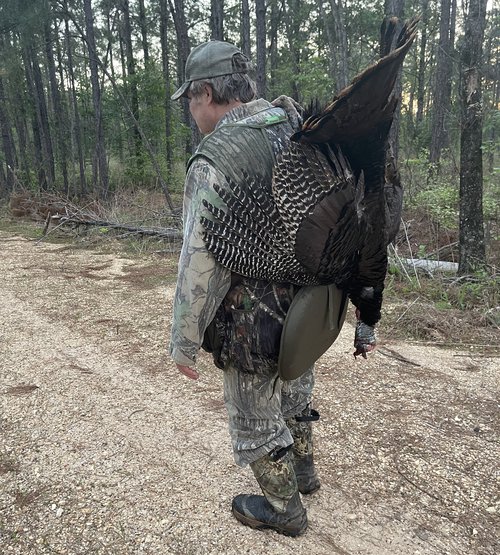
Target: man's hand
(365,339)
(187,371)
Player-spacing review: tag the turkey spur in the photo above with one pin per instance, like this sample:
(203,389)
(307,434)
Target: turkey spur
(334,201)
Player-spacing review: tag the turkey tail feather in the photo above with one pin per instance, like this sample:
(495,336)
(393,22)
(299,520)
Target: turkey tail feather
(365,102)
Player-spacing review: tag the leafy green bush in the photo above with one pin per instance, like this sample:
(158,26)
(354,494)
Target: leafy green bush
(441,203)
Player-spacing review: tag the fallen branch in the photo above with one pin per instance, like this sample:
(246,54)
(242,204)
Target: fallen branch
(52,209)
(394,354)
(168,233)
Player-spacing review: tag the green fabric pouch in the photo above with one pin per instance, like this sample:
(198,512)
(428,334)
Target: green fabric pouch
(312,324)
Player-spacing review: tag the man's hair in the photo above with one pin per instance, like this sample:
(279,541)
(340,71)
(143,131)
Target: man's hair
(226,88)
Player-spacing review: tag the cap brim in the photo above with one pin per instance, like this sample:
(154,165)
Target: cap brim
(181,91)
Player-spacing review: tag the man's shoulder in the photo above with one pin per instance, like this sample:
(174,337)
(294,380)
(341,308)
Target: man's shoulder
(245,132)
(201,169)
(267,117)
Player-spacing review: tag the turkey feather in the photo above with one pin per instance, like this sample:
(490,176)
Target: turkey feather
(333,203)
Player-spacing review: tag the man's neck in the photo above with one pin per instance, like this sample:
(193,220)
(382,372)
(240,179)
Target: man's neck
(223,109)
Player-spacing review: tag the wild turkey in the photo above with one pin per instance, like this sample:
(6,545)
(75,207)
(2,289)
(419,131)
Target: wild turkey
(334,204)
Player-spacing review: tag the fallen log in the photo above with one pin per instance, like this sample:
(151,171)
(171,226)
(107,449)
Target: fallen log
(430,266)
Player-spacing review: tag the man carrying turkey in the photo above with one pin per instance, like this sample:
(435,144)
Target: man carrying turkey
(238,319)
(277,213)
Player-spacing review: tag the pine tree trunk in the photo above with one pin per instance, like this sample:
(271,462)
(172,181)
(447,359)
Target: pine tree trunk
(291,34)
(65,117)
(117,122)
(101,183)
(471,234)
(183,48)
(260,13)
(8,146)
(57,107)
(76,125)
(330,40)
(37,144)
(217,20)
(442,87)
(4,191)
(342,75)
(273,46)
(422,62)
(21,124)
(167,83)
(144,31)
(245,29)
(7,143)
(41,130)
(395,8)
(132,83)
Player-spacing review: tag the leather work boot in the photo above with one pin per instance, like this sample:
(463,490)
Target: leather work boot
(300,427)
(280,508)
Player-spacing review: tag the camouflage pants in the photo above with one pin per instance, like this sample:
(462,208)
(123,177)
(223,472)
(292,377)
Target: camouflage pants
(257,406)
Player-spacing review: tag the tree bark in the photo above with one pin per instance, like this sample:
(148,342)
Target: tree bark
(177,9)
(330,41)
(342,51)
(21,124)
(37,142)
(471,233)
(144,31)
(7,142)
(57,106)
(274,24)
(101,183)
(245,29)
(260,13)
(167,83)
(41,130)
(422,63)
(442,87)
(76,124)
(132,83)
(395,8)
(291,32)
(217,20)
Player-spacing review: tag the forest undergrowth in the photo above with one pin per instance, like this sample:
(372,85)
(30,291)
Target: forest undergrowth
(422,306)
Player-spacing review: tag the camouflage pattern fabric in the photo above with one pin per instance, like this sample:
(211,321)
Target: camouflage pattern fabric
(202,283)
(250,322)
(258,405)
(276,479)
(250,314)
(302,434)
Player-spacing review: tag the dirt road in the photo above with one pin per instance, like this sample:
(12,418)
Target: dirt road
(105,449)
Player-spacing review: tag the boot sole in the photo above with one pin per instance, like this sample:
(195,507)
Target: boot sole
(258,525)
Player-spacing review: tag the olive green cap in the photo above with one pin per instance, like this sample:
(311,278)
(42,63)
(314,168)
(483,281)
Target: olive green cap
(211,59)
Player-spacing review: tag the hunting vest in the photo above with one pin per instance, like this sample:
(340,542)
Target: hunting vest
(246,330)
(263,327)
(247,147)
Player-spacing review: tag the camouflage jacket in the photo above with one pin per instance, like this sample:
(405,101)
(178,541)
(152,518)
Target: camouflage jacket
(248,314)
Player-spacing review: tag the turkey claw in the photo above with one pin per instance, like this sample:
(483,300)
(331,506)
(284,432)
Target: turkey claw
(292,109)
(365,339)
(360,350)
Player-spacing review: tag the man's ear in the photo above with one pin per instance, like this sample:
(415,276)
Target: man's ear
(207,90)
